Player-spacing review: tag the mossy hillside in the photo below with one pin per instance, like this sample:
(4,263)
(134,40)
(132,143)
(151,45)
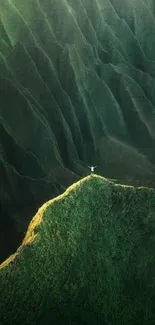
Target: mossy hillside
(87,258)
(73,76)
(40,41)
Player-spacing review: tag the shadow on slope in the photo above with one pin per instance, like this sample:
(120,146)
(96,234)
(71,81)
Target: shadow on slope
(87,258)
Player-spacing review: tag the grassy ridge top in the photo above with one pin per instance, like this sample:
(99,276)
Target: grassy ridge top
(87,258)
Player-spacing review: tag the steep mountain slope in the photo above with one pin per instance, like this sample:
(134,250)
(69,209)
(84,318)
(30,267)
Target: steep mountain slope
(87,258)
(76,78)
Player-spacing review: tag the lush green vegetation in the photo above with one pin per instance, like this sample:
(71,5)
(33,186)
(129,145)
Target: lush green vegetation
(87,258)
(76,88)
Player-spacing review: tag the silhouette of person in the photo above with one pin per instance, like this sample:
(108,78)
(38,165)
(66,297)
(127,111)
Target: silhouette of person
(92,168)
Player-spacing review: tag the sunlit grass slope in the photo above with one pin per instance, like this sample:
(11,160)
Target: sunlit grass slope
(87,258)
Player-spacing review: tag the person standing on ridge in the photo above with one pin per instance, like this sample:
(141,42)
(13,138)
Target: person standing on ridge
(92,168)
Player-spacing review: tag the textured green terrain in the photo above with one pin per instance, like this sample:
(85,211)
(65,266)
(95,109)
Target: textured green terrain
(87,258)
(77,83)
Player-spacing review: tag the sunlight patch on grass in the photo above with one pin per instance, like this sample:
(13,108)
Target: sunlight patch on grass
(36,220)
(31,233)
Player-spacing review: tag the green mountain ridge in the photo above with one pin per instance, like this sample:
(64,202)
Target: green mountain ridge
(75,80)
(87,258)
